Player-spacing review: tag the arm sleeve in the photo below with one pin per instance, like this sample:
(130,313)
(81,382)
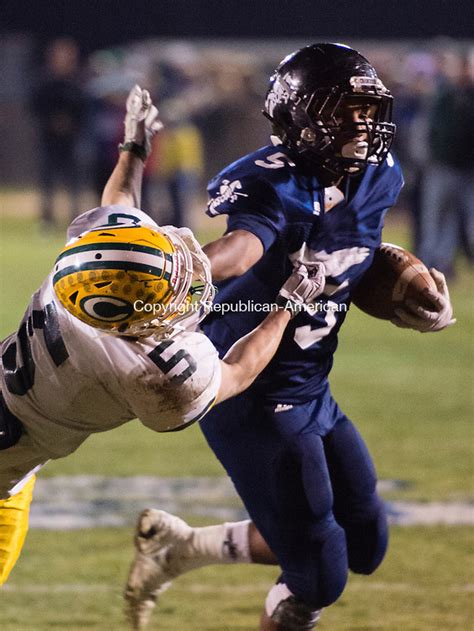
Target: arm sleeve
(173,383)
(251,204)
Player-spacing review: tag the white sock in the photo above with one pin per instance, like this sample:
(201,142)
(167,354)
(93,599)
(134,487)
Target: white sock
(282,609)
(224,543)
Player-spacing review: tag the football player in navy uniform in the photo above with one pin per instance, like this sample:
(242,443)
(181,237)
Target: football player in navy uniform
(318,193)
(89,355)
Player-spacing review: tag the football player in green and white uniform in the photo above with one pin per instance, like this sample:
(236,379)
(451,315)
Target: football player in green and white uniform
(110,336)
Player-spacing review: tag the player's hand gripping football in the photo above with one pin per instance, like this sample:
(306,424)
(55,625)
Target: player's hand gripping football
(428,320)
(141,122)
(304,285)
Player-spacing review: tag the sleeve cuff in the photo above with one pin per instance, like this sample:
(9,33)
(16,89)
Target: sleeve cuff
(266,234)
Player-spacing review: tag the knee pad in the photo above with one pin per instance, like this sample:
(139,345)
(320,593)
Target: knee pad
(318,575)
(367,540)
(329,567)
(289,612)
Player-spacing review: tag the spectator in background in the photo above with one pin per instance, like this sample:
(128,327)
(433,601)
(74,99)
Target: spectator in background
(175,169)
(109,80)
(447,195)
(106,127)
(413,94)
(177,163)
(59,105)
(230,118)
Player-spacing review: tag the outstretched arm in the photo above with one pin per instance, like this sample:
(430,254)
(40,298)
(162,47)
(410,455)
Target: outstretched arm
(141,124)
(251,354)
(125,184)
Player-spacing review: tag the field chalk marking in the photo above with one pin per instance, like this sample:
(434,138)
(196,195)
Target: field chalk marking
(71,502)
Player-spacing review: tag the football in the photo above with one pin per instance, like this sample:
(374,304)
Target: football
(394,276)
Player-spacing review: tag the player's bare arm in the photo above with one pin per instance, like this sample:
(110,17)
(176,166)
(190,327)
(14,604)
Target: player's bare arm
(249,356)
(141,124)
(233,254)
(125,183)
(246,359)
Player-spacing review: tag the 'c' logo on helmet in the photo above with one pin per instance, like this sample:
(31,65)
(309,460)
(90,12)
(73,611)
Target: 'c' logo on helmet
(106,308)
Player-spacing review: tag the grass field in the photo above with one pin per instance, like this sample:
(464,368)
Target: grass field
(73,580)
(410,395)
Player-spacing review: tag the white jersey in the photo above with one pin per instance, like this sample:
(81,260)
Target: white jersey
(65,380)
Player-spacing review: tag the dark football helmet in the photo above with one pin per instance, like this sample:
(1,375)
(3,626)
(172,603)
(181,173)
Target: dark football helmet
(327,103)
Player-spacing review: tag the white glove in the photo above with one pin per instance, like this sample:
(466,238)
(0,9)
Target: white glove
(304,285)
(141,123)
(428,320)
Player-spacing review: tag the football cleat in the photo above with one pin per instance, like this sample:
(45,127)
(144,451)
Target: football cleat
(133,280)
(161,541)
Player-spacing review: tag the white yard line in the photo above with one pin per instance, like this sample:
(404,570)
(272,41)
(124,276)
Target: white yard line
(70,502)
(200,588)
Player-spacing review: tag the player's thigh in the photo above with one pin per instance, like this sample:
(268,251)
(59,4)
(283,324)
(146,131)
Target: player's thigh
(279,472)
(18,464)
(351,468)
(357,507)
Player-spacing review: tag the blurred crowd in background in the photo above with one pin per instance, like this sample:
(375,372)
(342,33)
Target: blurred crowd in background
(63,119)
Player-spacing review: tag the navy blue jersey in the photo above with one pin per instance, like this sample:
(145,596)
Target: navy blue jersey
(296,218)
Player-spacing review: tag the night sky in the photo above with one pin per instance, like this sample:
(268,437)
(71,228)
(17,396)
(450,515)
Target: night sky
(103,23)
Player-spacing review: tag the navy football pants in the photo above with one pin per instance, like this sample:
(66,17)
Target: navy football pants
(308,483)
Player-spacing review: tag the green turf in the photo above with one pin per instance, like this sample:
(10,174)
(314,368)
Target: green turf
(72,581)
(410,394)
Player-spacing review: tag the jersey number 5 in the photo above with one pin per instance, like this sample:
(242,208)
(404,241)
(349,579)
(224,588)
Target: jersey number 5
(275,161)
(166,365)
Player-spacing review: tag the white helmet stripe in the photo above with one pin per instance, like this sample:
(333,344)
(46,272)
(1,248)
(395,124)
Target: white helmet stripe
(79,259)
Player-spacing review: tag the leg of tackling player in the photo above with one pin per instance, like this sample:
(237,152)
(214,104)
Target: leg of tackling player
(167,547)
(14,513)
